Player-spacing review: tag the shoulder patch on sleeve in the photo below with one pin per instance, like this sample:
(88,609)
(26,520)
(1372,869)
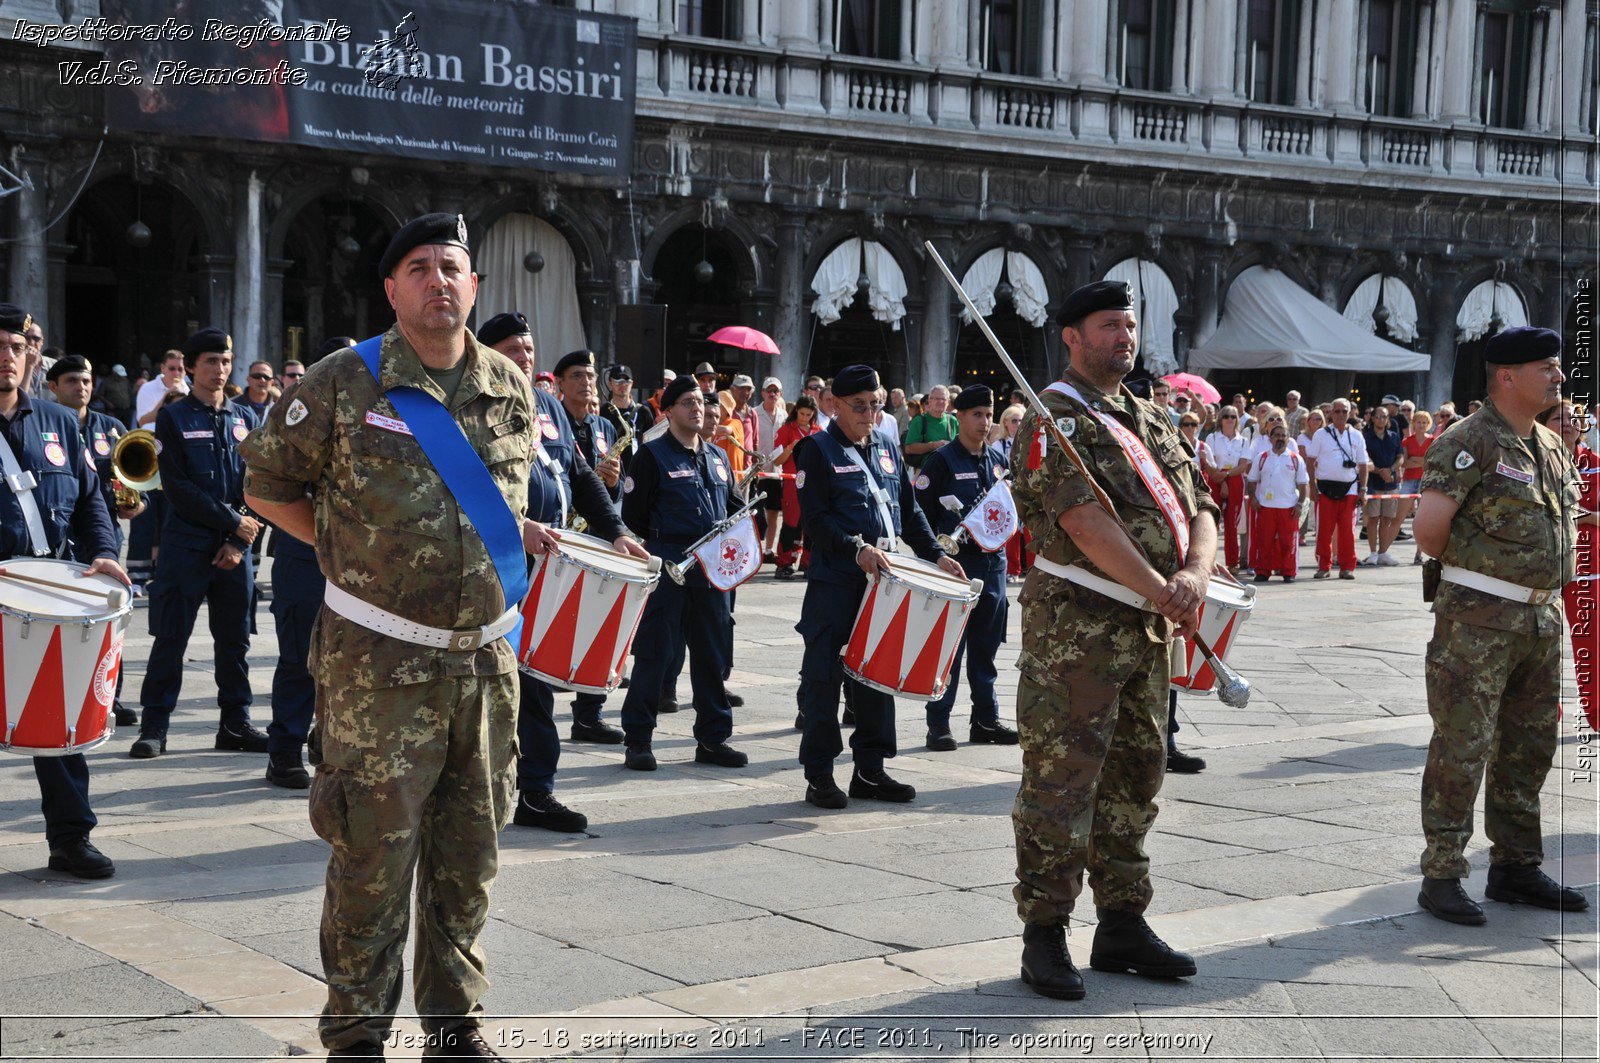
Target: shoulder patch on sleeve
(1464,459)
(799,479)
(922,481)
(297,413)
(1068,426)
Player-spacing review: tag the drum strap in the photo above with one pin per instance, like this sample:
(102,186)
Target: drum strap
(1084,578)
(465,476)
(888,543)
(554,470)
(22,485)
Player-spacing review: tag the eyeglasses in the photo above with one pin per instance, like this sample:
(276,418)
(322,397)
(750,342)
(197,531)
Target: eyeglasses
(293,376)
(260,376)
(1188,424)
(1229,417)
(690,402)
(864,408)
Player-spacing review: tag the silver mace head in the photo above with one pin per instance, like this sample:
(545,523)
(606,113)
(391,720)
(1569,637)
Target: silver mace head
(1233,689)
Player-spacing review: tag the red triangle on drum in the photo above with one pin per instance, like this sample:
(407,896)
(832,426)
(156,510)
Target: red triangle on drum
(925,672)
(857,649)
(102,689)
(553,655)
(44,718)
(879,668)
(595,671)
(528,621)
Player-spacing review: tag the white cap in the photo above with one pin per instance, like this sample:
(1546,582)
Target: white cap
(742,381)
(771,380)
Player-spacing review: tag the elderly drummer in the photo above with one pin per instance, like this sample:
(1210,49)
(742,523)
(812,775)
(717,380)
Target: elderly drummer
(1092,697)
(856,504)
(40,511)
(560,483)
(678,488)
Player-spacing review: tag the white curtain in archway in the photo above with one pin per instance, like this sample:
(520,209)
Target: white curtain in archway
(981,279)
(840,273)
(1397,299)
(1482,303)
(1155,301)
(549,298)
(1029,293)
(835,281)
(886,285)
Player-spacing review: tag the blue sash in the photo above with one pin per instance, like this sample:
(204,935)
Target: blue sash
(465,477)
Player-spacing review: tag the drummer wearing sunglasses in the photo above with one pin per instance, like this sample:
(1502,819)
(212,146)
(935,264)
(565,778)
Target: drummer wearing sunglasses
(40,441)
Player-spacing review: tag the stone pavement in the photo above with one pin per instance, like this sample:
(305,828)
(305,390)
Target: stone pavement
(711,913)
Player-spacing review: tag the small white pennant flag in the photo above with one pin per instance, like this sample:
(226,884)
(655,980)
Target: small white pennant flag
(993,521)
(732,557)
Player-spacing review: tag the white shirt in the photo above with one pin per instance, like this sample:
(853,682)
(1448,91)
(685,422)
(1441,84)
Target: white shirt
(151,394)
(1324,449)
(1227,453)
(1277,477)
(768,424)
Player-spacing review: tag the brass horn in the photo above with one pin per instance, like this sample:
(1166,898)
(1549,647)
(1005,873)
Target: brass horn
(133,461)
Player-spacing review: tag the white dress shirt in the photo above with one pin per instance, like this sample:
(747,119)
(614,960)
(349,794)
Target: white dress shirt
(1277,478)
(1226,453)
(1329,448)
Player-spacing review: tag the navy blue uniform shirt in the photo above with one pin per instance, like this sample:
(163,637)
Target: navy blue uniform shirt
(673,495)
(202,472)
(836,503)
(44,438)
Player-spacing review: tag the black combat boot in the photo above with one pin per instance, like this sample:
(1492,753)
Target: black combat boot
(823,792)
(463,1042)
(240,736)
(81,860)
(1181,763)
(1445,898)
(874,784)
(1046,965)
(1124,942)
(287,771)
(639,757)
(994,734)
(597,732)
(720,754)
(539,808)
(1528,885)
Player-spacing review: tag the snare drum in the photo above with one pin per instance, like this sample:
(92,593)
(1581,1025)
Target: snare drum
(60,652)
(1227,606)
(580,615)
(907,628)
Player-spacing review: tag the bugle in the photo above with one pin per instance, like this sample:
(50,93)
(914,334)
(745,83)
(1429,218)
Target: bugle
(134,464)
(1232,688)
(677,570)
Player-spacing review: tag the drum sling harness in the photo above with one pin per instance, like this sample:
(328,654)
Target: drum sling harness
(22,485)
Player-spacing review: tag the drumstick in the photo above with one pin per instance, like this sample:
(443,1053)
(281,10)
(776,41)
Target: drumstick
(115,597)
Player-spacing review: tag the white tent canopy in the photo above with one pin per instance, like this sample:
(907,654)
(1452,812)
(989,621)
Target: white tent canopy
(1157,302)
(1273,323)
(1397,299)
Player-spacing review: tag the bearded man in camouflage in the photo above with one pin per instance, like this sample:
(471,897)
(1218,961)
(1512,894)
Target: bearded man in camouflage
(416,688)
(1499,503)
(1101,607)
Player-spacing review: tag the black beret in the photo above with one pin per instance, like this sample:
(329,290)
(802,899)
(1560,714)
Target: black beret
(1101,295)
(448,229)
(501,326)
(13,318)
(973,396)
(619,372)
(575,358)
(1517,346)
(854,379)
(677,389)
(72,363)
(332,344)
(206,341)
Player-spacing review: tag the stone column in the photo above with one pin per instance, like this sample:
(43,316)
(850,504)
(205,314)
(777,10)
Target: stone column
(1442,313)
(1066,19)
(1422,70)
(1534,118)
(1318,57)
(667,15)
(908,14)
(1459,53)
(1302,64)
(1049,66)
(55,305)
(1475,99)
(1341,58)
(750,22)
(1207,293)
(249,275)
(938,336)
(275,345)
(1575,76)
(975,55)
(1241,49)
(790,325)
(1180,49)
(1091,24)
(1218,32)
(797,27)
(949,34)
(29,265)
(217,299)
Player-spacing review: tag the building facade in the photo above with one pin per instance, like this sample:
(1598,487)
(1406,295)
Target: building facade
(1428,166)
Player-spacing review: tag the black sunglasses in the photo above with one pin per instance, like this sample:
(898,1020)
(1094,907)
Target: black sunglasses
(260,376)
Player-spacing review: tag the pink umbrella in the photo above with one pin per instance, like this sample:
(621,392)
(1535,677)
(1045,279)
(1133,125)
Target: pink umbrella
(747,338)
(1199,385)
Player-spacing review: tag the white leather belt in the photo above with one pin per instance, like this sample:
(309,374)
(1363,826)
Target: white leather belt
(1498,587)
(1084,578)
(384,622)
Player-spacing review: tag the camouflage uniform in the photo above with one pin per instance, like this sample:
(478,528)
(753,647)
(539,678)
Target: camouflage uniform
(1092,698)
(416,744)
(1494,665)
